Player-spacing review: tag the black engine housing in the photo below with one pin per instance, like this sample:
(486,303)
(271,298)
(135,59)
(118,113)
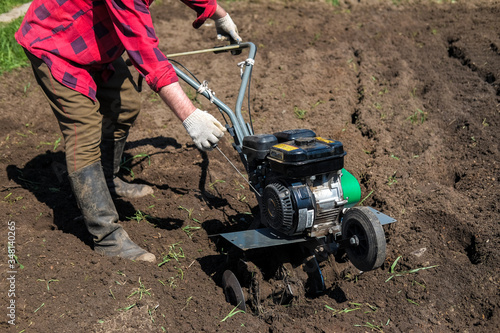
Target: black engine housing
(297,176)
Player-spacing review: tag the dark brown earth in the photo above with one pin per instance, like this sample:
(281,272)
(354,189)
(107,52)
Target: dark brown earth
(412,89)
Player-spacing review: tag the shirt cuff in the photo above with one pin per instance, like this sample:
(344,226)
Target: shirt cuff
(158,82)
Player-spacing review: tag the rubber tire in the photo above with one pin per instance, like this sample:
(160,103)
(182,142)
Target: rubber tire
(370,253)
(232,290)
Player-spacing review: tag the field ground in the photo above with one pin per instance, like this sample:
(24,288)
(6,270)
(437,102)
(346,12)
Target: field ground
(412,89)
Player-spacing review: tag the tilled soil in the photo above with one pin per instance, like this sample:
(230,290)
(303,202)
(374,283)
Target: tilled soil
(412,91)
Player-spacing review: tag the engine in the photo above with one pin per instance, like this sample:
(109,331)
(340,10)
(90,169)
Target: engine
(301,185)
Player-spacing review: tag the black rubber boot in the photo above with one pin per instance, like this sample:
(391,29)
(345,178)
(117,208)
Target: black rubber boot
(100,216)
(111,155)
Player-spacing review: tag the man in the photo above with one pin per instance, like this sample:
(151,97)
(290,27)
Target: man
(75,47)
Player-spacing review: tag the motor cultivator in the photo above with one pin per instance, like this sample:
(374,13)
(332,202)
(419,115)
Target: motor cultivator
(307,203)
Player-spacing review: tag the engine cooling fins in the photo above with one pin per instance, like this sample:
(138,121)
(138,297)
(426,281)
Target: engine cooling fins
(278,208)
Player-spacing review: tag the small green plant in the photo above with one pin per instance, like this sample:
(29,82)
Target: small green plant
(174,253)
(41,306)
(141,291)
(300,113)
(334,3)
(111,293)
(365,197)
(394,157)
(392,179)
(139,216)
(413,92)
(418,117)
(402,273)
(188,210)
(412,302)
(10,199)
(127,307)
(319,102)
(189,230)
(129,170)
(48,281)
(366,307)
(372,327)
(242,197)
(315,39)
(384,91)
(233,312)
(211,185)
(154,97)
(187,302)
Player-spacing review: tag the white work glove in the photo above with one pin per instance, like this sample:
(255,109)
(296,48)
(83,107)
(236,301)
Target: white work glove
(204,129)
(227,30)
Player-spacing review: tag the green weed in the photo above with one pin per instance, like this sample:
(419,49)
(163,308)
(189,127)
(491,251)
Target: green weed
(127,307)
(154,97)
(371,326)
(189,230)
(412,302)
(418,117)
(48,281)
(139,216)
(365,197)
(300,113)
(315,39)
(55,144)
(334,3)
(402,273)
(39,308)
(21,266)
(125,162)
(233,312)
(392,179)
(174,253)
(211,185)
(384,91)
(187,302)
(141,291)
(188,210)
(345,310)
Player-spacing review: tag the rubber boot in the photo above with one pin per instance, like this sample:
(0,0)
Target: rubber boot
(100,216)
(111,155)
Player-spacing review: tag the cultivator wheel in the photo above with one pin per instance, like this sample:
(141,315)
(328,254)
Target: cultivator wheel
(364,238)
(232,290)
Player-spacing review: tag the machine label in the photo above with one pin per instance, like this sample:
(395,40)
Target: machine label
(324,140)
(284,146)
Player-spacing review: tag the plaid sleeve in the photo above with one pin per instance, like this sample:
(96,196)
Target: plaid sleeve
(134,27)
(204,9)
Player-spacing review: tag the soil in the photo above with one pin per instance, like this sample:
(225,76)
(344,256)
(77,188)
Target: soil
(411,89)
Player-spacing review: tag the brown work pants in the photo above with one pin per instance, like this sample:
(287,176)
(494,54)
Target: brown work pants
(84,122)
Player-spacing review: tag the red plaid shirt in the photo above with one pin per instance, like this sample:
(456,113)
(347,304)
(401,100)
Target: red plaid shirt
(76,37)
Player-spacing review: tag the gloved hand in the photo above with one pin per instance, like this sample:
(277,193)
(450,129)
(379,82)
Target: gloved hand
(227,30)
(204,129)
